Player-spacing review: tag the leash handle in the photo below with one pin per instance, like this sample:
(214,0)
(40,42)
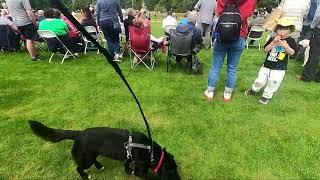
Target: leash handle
(58,5)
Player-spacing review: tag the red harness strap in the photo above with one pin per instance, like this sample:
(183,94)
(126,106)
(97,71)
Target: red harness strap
(160,162)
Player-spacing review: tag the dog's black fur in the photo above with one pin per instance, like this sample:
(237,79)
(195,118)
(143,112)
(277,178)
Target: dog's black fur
(109,142)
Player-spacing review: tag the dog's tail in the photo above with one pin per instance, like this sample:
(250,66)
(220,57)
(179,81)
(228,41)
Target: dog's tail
(53,135)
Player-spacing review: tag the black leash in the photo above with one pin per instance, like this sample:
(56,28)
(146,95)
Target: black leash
(58,5)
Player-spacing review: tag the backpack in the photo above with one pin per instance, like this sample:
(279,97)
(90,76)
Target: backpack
(229,23)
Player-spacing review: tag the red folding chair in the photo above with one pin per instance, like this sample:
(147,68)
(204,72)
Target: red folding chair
(140,46)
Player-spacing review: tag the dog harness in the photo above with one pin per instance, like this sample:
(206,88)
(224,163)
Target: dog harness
(130,144)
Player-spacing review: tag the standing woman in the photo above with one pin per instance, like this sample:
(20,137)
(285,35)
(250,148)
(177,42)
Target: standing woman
(231,49)
(108,14)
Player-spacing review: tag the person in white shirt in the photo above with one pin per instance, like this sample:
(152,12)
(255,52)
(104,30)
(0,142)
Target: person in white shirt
(169,23)
(297,10)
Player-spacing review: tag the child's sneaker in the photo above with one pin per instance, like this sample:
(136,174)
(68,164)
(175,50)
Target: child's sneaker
(264,100)
(249,92)
(209,95)
(227,96)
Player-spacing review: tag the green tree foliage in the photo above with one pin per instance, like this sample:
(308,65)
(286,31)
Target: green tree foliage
(158,5)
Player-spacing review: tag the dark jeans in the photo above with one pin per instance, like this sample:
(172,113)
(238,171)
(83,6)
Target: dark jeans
(54,45)
(111,35)
(9,40)
(305,33)
(310,70)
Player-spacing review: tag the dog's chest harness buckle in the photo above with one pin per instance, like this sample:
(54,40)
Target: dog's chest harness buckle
(129,145)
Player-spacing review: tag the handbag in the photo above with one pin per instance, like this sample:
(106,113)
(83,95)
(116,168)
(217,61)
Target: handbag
(116,25)
(271,22)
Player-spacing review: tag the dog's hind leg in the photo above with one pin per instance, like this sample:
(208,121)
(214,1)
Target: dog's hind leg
(83,164)
(98,165)
(82,173)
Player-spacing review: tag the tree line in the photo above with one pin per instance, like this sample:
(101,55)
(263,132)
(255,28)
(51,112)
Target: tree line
(152,5)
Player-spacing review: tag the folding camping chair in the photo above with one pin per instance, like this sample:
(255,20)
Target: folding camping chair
(180,45)
(255,34)
(94,33)
(51,35)
(140,46)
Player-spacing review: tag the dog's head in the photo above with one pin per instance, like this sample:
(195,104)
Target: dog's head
(169,167)
(304,43)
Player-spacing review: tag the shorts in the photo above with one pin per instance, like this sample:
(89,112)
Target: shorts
(29,32)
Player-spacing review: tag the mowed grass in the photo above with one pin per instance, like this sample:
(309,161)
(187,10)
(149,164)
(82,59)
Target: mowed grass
(210,140)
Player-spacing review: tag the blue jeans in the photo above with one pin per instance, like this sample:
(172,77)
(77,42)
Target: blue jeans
(111,35)
(233,51)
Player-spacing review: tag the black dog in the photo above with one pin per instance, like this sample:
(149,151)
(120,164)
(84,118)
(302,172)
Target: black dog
(109,142)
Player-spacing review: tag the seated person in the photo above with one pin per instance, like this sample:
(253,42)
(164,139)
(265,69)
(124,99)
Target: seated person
(169,23)
(60,28)
(87,19)
(9,39)
(131,15)
(156,43)
(190,26)
(73,32)
(40,15)
(185,18)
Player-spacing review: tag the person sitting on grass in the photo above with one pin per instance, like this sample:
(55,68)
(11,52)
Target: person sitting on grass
(60,28)
(274,68)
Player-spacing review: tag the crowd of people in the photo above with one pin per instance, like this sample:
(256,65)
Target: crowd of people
(299,20)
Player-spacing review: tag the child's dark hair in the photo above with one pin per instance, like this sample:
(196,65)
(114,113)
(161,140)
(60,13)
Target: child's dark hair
(283,28)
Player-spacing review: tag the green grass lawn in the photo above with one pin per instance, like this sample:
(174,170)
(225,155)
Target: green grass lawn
(238,140)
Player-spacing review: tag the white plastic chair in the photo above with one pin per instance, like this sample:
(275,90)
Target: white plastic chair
(102,39)
(45,34)
(93,32)
(255,34)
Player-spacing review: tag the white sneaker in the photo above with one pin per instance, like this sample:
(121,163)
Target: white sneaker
(227,96)
(116,58)
(208,95)
(121,56)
